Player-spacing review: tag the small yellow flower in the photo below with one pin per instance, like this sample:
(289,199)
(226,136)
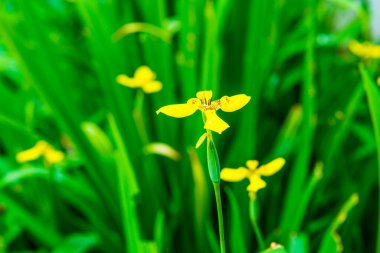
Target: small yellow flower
(143,78)
(365,50)
(208,108)
(253,174)
(41,149)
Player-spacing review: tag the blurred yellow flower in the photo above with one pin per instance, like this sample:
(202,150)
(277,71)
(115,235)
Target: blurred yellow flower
(365,50)
(208,108)
(253,174)
(41,149)
(378,81)
(143,78)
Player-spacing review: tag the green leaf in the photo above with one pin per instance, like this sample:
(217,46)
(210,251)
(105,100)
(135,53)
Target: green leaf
(236,235)
(77,243)
(373,96)
(97,138)
(14,176)
(299,243)
(331,242)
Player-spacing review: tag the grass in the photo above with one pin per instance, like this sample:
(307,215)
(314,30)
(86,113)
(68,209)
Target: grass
(118,191)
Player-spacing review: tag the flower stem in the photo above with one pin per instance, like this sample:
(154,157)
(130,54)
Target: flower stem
(256,228)
(214,171)
(220,217)
(138,117)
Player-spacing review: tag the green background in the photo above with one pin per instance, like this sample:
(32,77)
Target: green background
(313,103)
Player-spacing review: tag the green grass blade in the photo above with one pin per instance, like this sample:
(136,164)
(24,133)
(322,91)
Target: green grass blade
(373,97)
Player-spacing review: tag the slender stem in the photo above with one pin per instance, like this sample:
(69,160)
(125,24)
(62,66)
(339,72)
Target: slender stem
(256,228)
(52,194)
(220,217)
(138,117)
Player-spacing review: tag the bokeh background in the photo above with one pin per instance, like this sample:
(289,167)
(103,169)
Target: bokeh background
(132,181)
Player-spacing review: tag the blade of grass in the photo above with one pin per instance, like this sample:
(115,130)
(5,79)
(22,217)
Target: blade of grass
(373,98)
(127,189)
(236,232)
(36,227)
(308,92)
(211,54)
(331,240)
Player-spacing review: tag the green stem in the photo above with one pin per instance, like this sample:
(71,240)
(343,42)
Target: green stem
(52,195)
(214,171)
(256,228)
(138,117)
(220,217)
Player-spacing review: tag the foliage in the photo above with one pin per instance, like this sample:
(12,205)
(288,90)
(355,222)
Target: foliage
(131,180)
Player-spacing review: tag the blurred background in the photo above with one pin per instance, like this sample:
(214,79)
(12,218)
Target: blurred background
(112,176)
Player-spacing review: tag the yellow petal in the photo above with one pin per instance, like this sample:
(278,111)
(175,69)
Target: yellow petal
(230,104)
(355,47)
(214,123)
(371,50)
(127,81)
(272,167)
(204,95)
(53,156)
(201,140)
(33,153)
(234,175)
(194,102)
(178,110)
(364,50)
(256,183)
(252,164)
(152,87)
(143,75)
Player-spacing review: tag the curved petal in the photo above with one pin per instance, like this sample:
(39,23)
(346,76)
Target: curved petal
(152,87)
(365,50)
(178,110)
(355,47)
(204,95)
(144,74)
(256,183)
(33,153)
(53,156)
(230,104)
(127,81)
(214,123)
(252,164)
(271,167)
(234,175)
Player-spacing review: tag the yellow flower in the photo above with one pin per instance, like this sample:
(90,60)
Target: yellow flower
(41,149)
(365,50)
(143,78)
(208,108)
(253,174)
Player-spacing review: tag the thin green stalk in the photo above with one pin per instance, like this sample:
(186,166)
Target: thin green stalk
(214,171)
(304,201)
(298,175)
(128,188)
(138,117)
(220,217)
(373,98)
(256,228)
(53,195)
